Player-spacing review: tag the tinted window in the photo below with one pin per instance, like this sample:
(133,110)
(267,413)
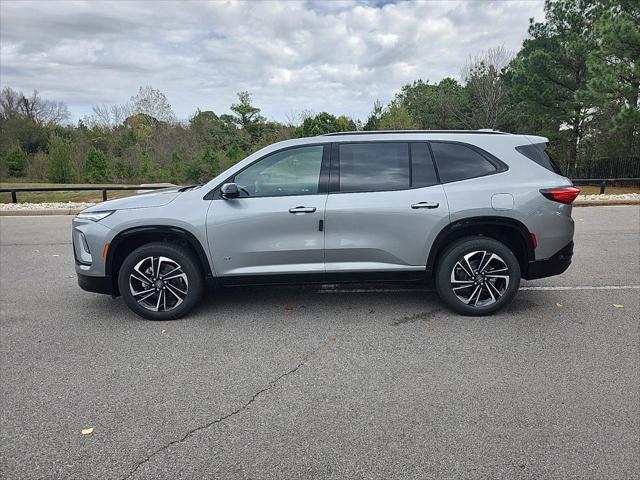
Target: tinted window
(537,154)
(367,167)
(291,172)
(458,162)
(423,173)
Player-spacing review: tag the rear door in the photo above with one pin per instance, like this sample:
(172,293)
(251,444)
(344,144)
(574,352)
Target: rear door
(384,209)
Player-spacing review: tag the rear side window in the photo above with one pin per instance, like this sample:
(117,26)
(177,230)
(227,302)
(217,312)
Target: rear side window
(423,173)
(537,153)
(370,167)
(459,162)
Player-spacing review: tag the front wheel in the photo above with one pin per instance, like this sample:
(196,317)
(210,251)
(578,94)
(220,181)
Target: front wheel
(477,276)
(160,281)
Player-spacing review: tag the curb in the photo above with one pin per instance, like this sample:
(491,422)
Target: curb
(34,213)
(604,203)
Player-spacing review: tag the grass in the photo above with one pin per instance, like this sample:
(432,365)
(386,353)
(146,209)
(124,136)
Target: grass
(45,197)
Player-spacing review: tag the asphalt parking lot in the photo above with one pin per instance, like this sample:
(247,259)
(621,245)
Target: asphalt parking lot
(317,383)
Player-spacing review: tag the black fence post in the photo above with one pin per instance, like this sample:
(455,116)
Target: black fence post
(104,194)
(603,184)
(14,197)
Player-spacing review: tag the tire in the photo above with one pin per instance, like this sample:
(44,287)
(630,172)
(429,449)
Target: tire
(161,281)
(463,266)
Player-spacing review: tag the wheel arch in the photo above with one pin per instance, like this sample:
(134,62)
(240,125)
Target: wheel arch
(509,231)
(130,239)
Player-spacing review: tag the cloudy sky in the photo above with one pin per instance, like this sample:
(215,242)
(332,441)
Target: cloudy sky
(292,56)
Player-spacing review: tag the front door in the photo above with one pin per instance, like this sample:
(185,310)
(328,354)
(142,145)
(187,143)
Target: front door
(386,209)
(276,225)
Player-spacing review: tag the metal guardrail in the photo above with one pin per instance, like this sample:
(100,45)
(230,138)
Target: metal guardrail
(14,191)
(603,181)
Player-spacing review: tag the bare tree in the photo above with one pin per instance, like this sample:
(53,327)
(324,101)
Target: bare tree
(154,103)
(34,107)
(109,116)
(487,95)
(10,102)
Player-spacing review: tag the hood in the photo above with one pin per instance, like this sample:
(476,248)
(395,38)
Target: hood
(154,198)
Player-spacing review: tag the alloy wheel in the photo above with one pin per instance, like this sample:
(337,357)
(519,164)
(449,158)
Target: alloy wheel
(480,278)
(158,283)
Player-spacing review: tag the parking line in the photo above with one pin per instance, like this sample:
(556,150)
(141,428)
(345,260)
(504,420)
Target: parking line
(542,288)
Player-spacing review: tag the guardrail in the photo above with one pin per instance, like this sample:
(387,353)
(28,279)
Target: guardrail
(14,191)
(603,182)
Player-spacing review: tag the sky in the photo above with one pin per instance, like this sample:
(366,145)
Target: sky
(292,56)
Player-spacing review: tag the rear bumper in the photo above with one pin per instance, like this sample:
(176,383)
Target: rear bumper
(96,284)
(554,265)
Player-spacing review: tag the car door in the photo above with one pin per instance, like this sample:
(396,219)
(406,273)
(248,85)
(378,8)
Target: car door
(275,226)
(384,209)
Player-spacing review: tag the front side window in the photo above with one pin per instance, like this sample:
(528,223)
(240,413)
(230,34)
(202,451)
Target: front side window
(371,167)
(295,171)
(460,162)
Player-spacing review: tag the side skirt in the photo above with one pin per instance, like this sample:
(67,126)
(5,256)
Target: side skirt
(320,278)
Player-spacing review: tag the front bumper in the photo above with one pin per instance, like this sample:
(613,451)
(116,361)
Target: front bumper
(554,265)
(96,284)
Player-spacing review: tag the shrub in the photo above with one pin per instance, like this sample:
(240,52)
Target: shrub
(95,166)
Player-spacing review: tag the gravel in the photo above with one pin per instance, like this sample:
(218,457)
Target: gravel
(627,197)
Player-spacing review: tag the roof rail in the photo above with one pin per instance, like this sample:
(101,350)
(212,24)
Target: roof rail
(388,132)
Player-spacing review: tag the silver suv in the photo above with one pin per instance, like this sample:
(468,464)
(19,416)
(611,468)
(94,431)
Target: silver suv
(471,211)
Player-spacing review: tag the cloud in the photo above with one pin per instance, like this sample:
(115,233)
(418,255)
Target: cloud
(293,56)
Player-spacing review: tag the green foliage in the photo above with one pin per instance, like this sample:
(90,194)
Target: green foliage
(397,117)
(95,167)
(576,80)
(324,123)
(59,165)
(16,162)
(615,67)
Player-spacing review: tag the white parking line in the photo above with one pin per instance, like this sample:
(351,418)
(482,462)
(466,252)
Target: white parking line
(384,290)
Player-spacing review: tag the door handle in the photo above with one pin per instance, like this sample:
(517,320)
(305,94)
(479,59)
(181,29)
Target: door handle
(425,205)
(302,209)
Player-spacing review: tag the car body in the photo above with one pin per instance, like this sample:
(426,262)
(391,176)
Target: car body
(342,207)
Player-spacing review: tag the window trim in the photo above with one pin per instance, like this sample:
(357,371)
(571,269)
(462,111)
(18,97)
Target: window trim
(499,165)
(334,183)
(323,179)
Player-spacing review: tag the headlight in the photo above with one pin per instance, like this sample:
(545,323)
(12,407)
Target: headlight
(95,216)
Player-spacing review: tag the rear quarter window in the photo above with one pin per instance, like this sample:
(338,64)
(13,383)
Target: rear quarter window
(537,153)
(457,161)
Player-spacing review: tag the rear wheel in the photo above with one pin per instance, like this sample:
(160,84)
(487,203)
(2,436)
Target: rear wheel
(160,281)
(478,276)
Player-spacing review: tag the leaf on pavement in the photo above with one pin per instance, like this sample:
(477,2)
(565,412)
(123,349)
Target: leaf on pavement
(87,431)
(559,305)
(162,331)
(617,305)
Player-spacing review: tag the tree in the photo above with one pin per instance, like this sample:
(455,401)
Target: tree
(434,106)
(549,75)
(319,124)
(485,93)
(373,122)
(95,166)
(16,162)
(247,113)
(59,164)
(151,102)
(397,117)
(614,85)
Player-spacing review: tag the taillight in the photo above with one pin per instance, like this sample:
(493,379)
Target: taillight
(561,194)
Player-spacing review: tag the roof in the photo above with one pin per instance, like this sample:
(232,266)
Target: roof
(379,132)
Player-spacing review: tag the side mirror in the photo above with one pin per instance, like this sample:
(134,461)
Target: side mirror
(230,190)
